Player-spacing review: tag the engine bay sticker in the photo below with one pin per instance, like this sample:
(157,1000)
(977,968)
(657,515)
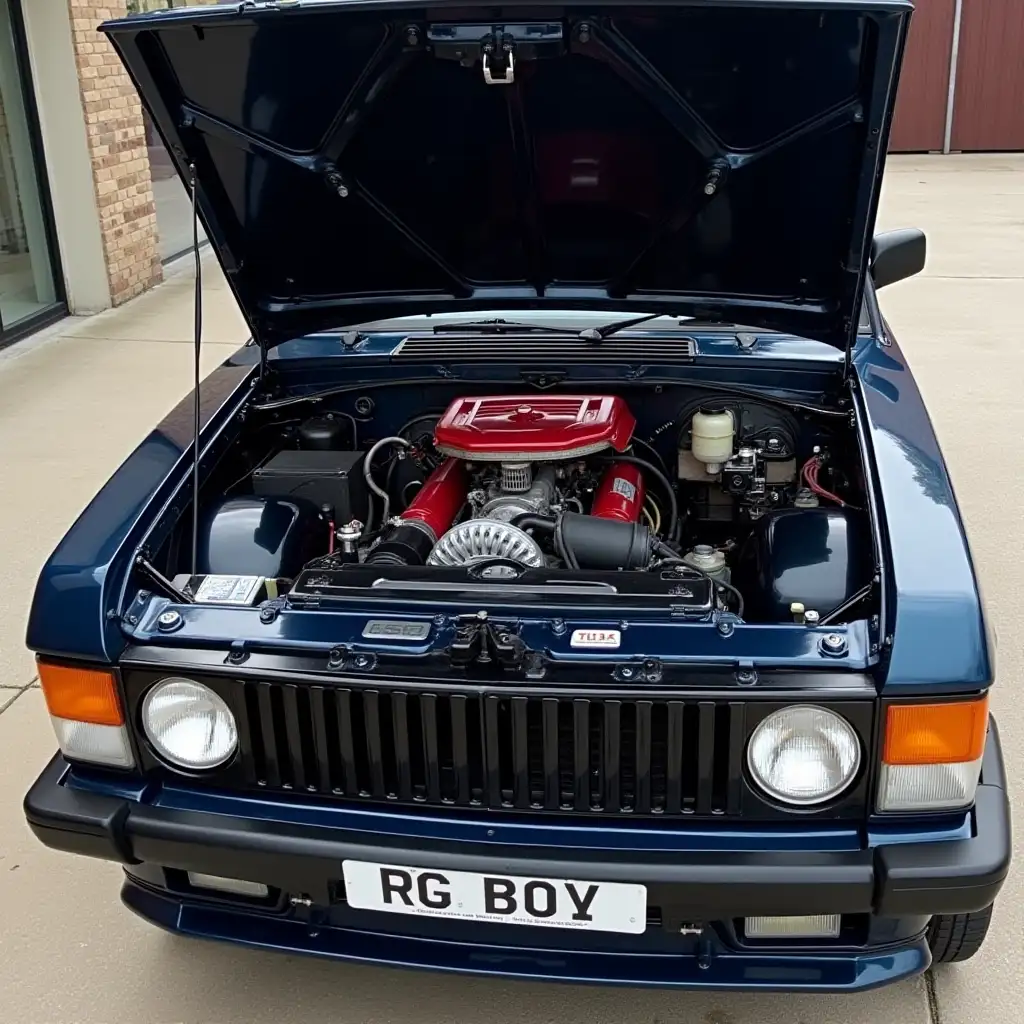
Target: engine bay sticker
(595,638)
(216,589)
(625,488)
(396,629)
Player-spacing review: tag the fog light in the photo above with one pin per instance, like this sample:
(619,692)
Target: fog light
(819,926)
(238,886)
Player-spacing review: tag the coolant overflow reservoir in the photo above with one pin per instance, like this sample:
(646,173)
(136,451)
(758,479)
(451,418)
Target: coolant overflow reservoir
(712,432)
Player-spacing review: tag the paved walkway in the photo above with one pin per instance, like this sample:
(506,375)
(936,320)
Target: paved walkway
(74,403)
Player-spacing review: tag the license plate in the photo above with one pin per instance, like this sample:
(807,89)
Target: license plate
(503,899)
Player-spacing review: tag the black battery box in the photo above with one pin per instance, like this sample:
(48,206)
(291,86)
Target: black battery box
(322,477)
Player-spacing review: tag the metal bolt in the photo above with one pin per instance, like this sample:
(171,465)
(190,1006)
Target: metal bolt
(167,621)
(833,643)
(362,661)
(558,626)
(268,614)
(412,35)
(773,442)
(746,677)
(626,672)
(583,34)
(726,628)
(811,617)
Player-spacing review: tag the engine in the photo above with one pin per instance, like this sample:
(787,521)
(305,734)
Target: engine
(715,499)
(525,471)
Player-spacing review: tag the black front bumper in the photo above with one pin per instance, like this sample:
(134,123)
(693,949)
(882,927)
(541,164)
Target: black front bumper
(903,879)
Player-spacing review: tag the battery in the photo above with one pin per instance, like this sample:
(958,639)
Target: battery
(321,477)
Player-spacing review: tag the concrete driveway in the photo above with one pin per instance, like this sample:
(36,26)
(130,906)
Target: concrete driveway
(74,403)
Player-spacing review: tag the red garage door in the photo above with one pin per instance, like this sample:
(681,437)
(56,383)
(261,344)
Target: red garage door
(920,120)
(989,110)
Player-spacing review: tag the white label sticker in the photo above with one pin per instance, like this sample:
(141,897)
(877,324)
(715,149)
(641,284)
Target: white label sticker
(625,488)
(228,589)
(595,638)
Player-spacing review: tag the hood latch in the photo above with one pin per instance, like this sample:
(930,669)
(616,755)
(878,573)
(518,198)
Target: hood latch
(498,47)
(480,642)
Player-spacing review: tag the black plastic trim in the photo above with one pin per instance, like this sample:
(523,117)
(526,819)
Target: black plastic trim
(950,877)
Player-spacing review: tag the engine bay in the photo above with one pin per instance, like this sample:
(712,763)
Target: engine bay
(733,505)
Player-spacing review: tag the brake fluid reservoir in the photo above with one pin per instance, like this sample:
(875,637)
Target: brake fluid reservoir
(712,432)
(708,560)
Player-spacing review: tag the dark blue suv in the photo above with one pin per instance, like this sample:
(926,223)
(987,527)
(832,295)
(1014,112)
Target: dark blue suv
(565,582)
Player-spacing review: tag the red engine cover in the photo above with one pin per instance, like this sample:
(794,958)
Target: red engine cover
(533,428)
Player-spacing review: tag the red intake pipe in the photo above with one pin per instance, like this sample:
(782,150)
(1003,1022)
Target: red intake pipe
(438,501)
(620,494)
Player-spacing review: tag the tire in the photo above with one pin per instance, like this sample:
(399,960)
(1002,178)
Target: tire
(954,938)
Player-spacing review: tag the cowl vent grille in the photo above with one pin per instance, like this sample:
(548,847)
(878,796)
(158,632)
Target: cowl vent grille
(455,348)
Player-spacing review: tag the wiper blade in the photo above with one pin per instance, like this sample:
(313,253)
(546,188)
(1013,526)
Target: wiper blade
(499,326)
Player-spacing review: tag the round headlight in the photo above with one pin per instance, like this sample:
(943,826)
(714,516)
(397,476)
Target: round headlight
(804,755)
(188,724)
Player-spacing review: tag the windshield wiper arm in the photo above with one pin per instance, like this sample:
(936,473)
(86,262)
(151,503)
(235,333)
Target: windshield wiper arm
(598,334)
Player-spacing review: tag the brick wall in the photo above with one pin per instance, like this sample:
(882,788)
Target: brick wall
(117,145)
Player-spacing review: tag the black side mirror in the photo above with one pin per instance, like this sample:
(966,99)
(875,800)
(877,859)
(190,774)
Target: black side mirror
(897,255)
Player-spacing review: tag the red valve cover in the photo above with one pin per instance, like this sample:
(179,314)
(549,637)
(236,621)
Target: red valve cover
(533,428)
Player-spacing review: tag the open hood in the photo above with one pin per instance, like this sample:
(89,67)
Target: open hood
(363,160)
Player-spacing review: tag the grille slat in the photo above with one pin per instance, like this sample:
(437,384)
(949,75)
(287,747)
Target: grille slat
(612,746)
(581,752)
(706,757)
(460,749)
(563,754)
(374,747)
(737,734)
(326,764)
(293,734)
(428,709)
(400,728)
(492,750)
(643,757)
(674,758)
(269,735)
(343,710)
(520,752)
(552,783)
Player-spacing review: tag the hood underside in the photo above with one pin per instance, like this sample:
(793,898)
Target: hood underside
(357,161)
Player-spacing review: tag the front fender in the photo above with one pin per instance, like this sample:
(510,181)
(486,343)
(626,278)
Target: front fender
(936,636)
(74,610)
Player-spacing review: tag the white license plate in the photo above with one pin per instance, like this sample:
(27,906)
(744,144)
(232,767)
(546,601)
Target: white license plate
(503,899)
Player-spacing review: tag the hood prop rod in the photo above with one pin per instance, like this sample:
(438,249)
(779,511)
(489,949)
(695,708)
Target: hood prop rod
(198,339)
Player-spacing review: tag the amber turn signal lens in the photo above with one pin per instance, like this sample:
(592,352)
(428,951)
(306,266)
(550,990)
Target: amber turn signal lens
(81,694)
(936,733)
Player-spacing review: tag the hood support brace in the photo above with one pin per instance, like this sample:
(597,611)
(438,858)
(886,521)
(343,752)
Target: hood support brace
(198,341)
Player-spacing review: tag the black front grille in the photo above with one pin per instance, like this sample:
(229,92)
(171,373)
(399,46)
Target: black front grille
(541,753)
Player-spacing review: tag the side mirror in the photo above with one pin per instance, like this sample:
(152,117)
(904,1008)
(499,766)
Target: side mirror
(897,255)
